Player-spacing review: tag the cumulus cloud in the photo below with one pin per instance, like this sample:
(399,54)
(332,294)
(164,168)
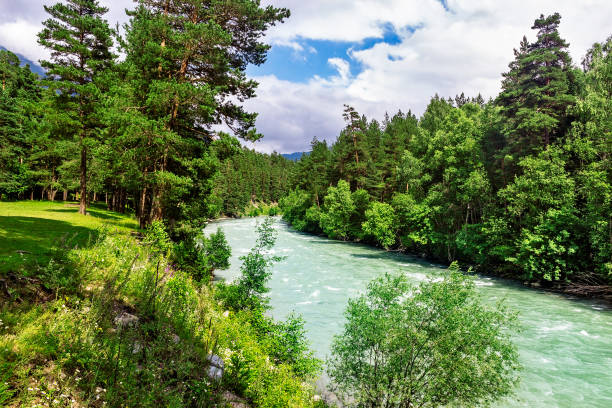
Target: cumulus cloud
(20,36)
(21,21)
(462,49)
(291,114)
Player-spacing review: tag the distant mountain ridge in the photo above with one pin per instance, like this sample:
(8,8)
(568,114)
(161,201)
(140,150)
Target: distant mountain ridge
(295,156)
(34,67)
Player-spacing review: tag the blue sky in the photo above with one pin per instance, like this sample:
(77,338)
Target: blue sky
(299,65)
(376,55)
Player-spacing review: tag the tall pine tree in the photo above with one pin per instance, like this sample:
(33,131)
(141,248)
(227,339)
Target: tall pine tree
(537,90)
(80,42)
(186,62)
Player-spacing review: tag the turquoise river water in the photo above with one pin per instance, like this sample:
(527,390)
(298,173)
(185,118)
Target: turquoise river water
(565,344)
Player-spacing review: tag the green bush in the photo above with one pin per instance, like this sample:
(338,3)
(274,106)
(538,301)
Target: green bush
(338,208)
(200,256)
(435,344)
(549,251)
(381,223)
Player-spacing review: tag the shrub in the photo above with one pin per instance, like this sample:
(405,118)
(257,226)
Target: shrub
(381,223)
(249,290)
(200,256)
(337,211)
(431,345)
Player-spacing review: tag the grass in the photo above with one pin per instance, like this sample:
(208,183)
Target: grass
(60,341)
(30,231)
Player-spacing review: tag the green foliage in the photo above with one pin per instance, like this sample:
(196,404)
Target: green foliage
(544,184)
(248,292)
(515,185)
(550,251)
(157,237)
(337,211)
(432,345)
(284,341)
(77,31)
(381,222)
(247,180)
(19,127)
(294,207)
(200,256)
(261,208)
(416,229)
(136,331)
(543,70)
(218,250)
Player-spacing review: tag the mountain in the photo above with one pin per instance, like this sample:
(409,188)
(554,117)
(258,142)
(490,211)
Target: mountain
(295,156)
(34,67)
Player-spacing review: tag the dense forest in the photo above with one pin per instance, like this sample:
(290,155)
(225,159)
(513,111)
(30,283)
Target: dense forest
(520,185)
(250,177)
(137,131)
(116,304)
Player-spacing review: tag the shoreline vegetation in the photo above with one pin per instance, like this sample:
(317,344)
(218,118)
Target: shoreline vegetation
(105,316)
(520,185)
(600,292)
(116,316)
(112,304)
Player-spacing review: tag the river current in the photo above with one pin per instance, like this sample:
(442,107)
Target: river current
(565,344)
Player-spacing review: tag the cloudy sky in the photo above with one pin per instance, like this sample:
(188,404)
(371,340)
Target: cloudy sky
(377,55)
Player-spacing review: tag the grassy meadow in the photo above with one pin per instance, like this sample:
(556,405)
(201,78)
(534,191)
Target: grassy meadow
(31,230)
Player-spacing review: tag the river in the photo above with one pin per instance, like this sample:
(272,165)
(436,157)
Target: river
(565,344)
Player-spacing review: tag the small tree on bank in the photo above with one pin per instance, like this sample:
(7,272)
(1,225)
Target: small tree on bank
(429,345)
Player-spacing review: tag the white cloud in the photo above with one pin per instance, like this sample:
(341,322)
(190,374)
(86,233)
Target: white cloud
(21,21)
(446,52)
(21,36)
(462,50)
(349,20)
(343,67)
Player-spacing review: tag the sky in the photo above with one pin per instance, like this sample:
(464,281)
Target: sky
(376,55)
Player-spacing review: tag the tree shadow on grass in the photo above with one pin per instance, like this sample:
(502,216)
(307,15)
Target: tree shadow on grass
(24,240)
(91,212)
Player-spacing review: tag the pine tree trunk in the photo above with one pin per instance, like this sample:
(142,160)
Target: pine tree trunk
(83,202)
(32,195)
(156,210)
(142,208)
(125,201)
(65,196)
(95,197)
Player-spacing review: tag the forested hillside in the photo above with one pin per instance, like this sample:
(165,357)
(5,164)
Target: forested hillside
(521,185)
(249,177)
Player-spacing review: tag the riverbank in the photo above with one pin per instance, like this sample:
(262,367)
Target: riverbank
(91,315)
(586,285)
(563,343)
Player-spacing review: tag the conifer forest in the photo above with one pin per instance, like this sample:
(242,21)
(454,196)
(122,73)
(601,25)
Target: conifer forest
(154,251)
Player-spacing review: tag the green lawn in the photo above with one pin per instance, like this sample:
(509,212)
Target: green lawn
(30,230)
